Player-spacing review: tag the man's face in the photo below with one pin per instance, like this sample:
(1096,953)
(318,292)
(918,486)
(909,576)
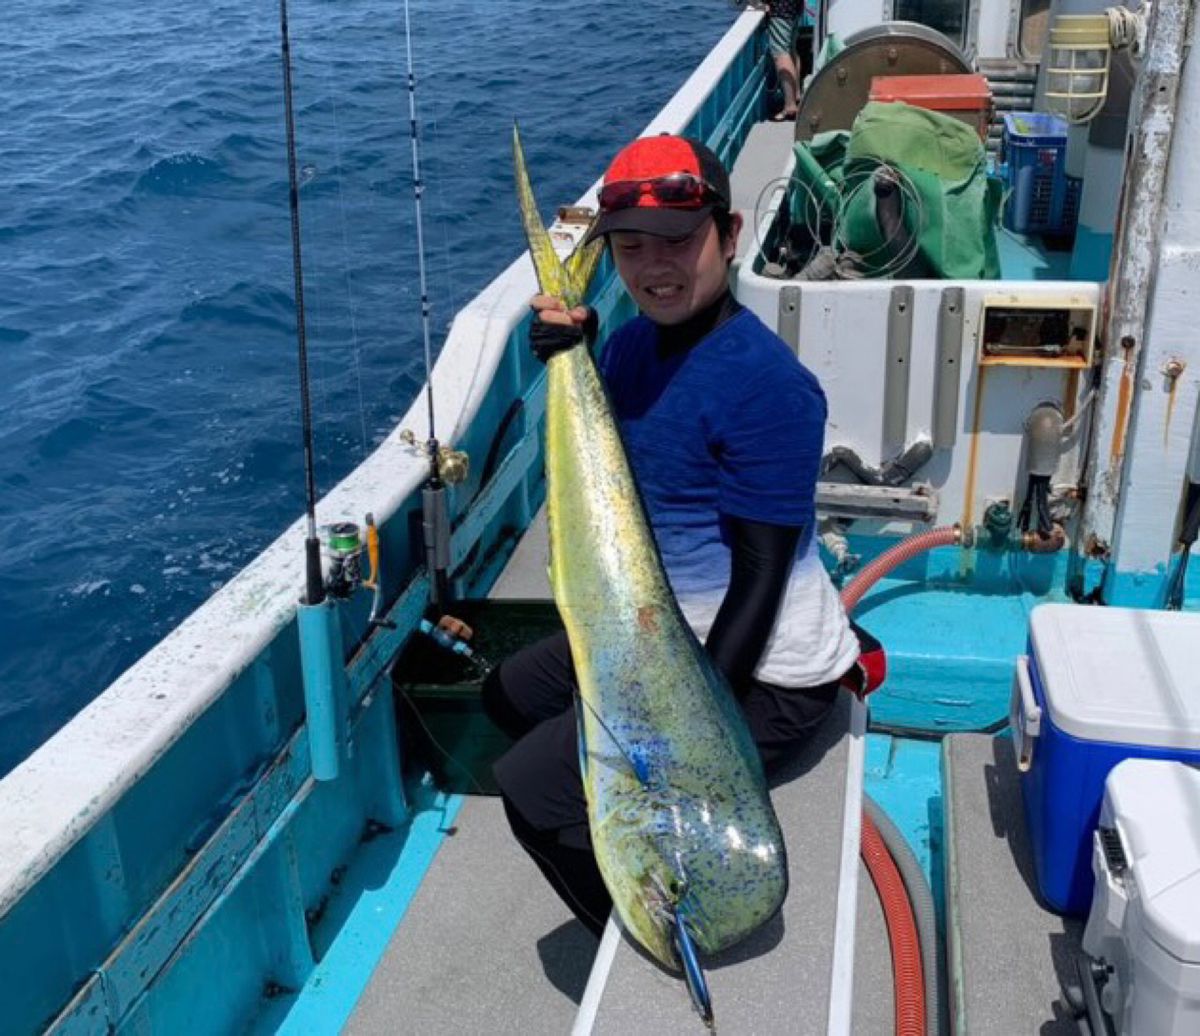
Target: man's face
(672,279)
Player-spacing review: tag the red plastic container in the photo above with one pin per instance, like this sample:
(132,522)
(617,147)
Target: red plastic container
(964,97)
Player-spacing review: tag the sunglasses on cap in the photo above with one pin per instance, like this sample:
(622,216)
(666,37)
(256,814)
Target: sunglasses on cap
(679,190)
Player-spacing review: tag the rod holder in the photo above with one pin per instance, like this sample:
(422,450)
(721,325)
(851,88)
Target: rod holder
(326,691)
(435,527)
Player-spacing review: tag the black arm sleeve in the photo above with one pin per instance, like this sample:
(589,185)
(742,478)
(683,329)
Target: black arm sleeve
(759,570)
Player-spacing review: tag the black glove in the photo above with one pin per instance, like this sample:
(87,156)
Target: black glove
(547,339)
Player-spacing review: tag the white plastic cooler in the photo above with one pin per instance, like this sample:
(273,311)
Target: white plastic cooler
(1145,918)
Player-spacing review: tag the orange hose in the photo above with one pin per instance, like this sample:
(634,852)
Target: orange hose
(903,551)
(908,979)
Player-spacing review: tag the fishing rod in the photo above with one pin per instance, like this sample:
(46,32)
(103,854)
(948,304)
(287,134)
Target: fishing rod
(435,519)
(322,666)
(314,593)
(345,544)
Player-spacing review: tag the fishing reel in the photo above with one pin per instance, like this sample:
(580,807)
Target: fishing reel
(344,547)
(453,466)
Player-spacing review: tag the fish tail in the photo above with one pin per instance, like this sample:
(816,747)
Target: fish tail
(568,281)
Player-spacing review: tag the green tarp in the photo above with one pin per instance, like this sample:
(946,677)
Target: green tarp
(956,203)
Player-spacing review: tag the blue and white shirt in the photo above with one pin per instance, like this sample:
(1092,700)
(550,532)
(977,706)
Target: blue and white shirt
(732,426)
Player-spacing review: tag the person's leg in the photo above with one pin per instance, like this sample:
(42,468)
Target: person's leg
(532,685)
(530,696)
(781,719)
(571,870)
(780,31)
(543,795)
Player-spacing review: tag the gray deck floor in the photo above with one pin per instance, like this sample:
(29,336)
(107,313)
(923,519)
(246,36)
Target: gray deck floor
(765,159)
(485,947)
(1008,953)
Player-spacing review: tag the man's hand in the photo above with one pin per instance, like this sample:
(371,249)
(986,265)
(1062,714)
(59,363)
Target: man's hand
(556,328)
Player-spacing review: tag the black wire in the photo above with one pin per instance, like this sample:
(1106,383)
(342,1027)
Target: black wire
(1174,600)
(314,589)
(1188,532)
(1036,507)
(1045,522)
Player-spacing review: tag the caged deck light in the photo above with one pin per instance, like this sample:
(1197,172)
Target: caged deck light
(1081,49)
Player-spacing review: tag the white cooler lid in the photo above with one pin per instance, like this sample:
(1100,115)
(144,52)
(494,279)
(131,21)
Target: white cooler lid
(1156,807)
(1120,674)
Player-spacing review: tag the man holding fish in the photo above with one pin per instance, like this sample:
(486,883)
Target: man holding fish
(723,429)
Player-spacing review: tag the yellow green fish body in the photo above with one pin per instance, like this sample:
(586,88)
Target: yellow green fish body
(681,821)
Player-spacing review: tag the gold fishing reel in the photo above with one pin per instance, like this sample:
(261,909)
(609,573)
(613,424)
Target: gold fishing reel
(453,465)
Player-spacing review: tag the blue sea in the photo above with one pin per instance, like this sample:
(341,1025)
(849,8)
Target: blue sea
(149,416)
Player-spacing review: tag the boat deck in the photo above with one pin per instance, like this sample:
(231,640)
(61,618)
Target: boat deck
(1009,956)
(765,161)
(486,946)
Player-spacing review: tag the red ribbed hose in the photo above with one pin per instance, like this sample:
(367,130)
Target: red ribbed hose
(903,551)
(908,979)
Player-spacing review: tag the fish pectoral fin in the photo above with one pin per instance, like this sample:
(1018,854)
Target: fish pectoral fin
(568,282)
(581,735)
(632,758)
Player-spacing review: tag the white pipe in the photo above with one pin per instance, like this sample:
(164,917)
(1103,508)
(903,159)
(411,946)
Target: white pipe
(841,980)
(597,980)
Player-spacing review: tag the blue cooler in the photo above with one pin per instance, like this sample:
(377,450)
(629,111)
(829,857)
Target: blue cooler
(1099,685)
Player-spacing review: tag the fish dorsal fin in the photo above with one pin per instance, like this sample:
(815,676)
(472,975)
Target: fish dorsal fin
(568,281)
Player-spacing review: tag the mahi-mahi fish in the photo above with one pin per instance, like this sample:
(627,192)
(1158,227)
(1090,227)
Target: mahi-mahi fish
(682,824)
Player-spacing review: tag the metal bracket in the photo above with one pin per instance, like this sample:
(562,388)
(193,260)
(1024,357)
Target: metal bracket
(844,500)
(789,316)
(948,373)
(899,356)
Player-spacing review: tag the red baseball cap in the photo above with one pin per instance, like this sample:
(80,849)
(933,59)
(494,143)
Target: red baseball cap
(666,186)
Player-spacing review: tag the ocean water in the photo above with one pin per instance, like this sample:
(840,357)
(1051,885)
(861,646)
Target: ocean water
(149,414)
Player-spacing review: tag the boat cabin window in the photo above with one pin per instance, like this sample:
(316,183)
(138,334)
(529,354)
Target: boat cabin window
(1035,22)
(949,17)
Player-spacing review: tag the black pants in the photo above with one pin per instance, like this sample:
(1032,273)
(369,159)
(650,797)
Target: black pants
(531,697)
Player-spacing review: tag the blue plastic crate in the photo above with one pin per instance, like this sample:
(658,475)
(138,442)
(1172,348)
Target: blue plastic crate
(1034,148)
